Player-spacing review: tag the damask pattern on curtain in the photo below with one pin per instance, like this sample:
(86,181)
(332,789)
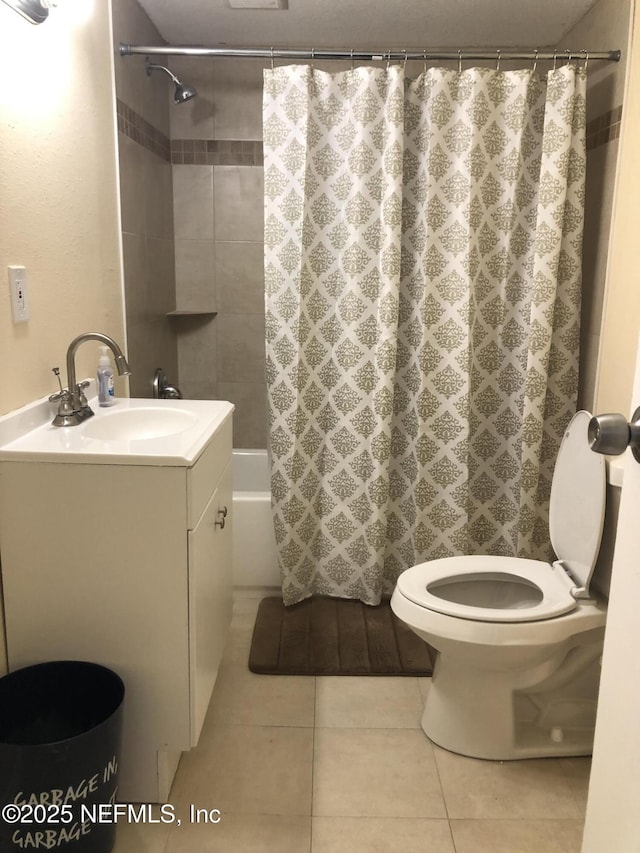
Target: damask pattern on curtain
(422,266)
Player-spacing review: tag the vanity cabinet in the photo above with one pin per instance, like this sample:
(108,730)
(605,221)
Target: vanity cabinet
(127,565)
(210,562)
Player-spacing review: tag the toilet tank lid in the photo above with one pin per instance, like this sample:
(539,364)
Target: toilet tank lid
(576,509)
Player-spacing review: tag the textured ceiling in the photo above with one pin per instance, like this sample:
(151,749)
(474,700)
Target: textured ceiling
(370,23)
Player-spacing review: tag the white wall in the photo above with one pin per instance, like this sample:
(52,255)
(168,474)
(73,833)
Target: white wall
(621,319)
(58,192)
(58,196)
(605,26)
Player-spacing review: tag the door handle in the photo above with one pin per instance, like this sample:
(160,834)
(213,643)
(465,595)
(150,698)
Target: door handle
(611,434)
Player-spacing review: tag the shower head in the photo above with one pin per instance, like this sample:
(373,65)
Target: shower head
(183,92)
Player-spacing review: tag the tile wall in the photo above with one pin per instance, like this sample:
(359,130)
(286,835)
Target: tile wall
(216,152)
(146,203)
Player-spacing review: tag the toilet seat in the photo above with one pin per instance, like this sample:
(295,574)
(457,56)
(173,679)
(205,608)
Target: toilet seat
(523,590)
(519,589)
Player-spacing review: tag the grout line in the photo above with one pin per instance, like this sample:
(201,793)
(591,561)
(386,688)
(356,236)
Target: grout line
(313,759)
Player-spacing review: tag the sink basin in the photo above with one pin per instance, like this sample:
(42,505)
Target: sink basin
(138,424)
(131,432)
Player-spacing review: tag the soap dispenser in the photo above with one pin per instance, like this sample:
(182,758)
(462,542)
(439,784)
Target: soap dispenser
(106,396)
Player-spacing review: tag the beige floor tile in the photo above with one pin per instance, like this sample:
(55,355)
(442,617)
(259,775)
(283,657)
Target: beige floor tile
(424,684)
(243,698)
(237,647)
(245,609)
(244,834)
(141,837)
(248,769)
(366,702)
(375,773)
(533,788)
(517,836)
(577,771)
(380,835)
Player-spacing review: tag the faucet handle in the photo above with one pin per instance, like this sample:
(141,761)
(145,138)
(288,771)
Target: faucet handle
(59,395)
(80,389)
(56,372)
(85,410)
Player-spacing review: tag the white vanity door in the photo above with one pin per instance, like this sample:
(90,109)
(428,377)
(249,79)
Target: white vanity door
(210,601)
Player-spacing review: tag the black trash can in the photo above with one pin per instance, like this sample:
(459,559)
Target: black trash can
(60,733)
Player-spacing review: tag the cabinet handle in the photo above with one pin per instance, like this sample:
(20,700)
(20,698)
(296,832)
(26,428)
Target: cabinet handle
(222,515)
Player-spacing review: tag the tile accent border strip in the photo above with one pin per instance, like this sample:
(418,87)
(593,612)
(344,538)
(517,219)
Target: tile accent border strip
(139,130)
(604,128)
(216,152)
(191,152)
(237,152)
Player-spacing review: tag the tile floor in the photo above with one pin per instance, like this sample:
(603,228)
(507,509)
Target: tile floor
(341,765)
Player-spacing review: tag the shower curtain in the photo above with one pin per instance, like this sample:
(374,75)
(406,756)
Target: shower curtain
(422,264)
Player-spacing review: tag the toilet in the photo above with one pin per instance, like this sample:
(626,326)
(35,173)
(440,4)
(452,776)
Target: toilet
(519,641)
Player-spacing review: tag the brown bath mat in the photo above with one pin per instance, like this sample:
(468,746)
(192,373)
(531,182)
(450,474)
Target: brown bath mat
(335,636)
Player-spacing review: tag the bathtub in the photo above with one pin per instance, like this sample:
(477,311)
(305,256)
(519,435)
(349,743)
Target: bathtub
(255,562)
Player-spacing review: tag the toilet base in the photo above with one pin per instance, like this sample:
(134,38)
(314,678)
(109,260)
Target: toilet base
(482,714)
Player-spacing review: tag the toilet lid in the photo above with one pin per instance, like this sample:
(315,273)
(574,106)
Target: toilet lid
(576,509)
(489,589)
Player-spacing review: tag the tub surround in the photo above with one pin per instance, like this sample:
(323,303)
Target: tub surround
(603,129)
(255,559)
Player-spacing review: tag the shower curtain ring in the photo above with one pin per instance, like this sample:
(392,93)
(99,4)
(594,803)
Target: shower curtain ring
(404,66)
(313,56)
(352,59)
(388,58)
(535,61)
(459,61)
(586,59)
(424,54)
(569,55)
(555,59)
(498,60)
(272,58)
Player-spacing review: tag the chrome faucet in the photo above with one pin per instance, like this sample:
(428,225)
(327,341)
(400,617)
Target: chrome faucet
(73,407)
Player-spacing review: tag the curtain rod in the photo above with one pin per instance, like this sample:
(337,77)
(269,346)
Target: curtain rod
(370,55)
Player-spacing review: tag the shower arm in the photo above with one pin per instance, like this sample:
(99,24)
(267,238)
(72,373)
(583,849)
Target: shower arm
(150,66)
